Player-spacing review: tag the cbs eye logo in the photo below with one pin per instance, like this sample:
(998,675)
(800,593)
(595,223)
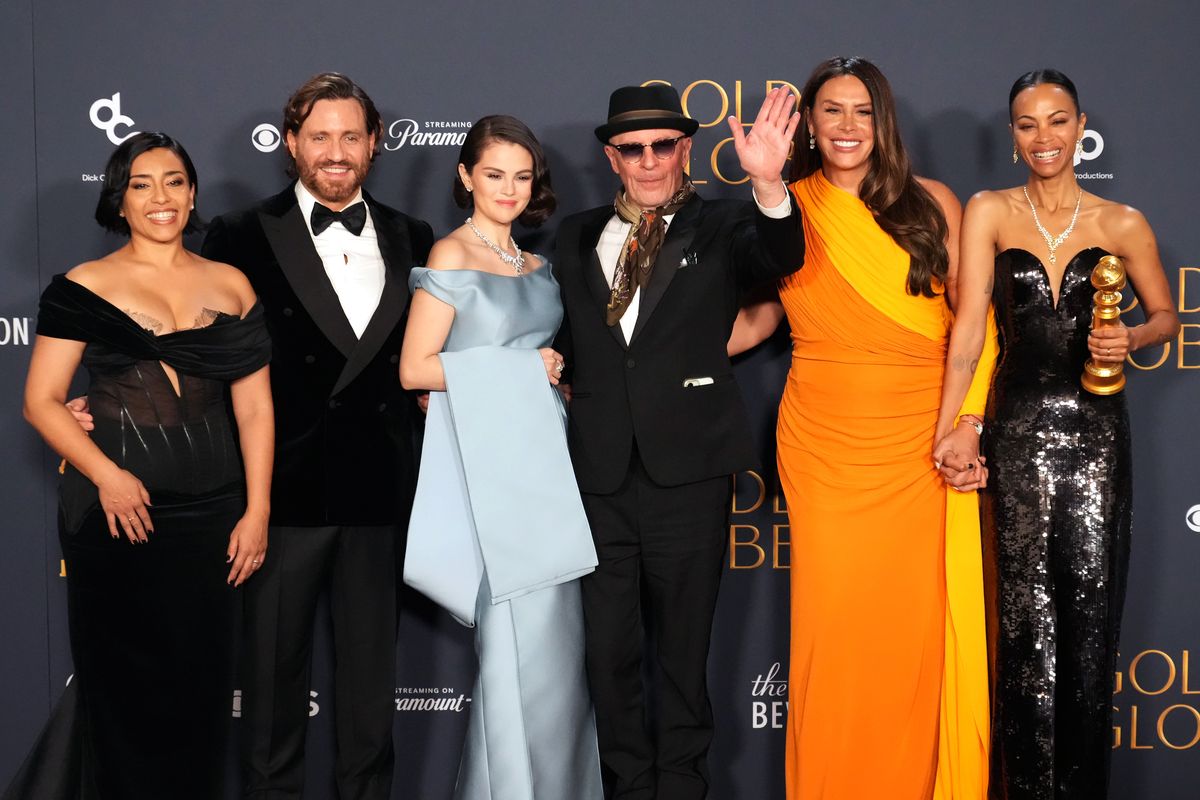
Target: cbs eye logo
(1193,518)
(1090,151)
(265,138)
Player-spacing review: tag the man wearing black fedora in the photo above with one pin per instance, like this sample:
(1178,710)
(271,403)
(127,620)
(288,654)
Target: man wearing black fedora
(650,288)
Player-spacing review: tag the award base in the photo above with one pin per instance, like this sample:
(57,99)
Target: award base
(1102,379)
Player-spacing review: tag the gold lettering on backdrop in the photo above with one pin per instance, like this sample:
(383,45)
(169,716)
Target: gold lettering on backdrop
(1187,341)
(716,168)
(1187,666)
(1153,673)
(736,545)
(1184,307)
(1162,719)
(758,501)
(1133,667)
(686,96)
(781,545)
(1166,353)
(1133,729)
(704,96)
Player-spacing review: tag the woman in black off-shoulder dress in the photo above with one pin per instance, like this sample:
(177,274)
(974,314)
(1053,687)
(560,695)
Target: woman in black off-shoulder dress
(163,506)
(1057,510)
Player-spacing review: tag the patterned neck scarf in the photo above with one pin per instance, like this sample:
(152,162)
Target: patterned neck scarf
(645,239)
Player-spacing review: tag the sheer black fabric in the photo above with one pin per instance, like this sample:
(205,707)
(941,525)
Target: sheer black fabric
(174,442)
(151,625)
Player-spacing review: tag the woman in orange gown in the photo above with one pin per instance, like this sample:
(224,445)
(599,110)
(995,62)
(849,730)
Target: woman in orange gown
(888,686)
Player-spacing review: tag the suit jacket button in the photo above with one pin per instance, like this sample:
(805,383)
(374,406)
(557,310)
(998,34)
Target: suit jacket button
(310,359)
(383,407)
(334,404)
(287,311)
(395,359)
(630,363)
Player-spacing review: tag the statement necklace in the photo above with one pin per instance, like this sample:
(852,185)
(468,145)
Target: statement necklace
(1053,242)
(517,261)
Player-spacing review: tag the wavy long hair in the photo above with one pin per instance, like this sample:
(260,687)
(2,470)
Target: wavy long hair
(901,206)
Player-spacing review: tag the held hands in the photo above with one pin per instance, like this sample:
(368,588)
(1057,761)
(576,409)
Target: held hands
(763,151)
(247,547)
(554,363)
(957,458)
(124,500)
(1111,343)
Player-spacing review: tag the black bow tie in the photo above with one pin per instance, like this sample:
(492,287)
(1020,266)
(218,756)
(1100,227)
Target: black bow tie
(352,217)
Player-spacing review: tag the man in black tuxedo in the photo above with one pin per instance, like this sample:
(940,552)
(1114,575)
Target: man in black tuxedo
(657,423)
(330,266)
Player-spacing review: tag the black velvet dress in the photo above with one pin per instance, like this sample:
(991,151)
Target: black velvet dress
(151,625)
(1056,538)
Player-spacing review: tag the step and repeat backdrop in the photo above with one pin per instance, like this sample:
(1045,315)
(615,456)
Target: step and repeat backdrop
(79,77)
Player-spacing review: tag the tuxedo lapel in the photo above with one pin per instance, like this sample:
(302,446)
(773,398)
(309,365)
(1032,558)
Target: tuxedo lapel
(679,237)
(396,251)
(593,272)
(292,245)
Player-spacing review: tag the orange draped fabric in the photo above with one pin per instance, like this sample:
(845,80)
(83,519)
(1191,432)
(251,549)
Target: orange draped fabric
(883,664)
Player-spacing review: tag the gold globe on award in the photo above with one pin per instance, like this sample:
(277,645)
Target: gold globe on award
(1108,279)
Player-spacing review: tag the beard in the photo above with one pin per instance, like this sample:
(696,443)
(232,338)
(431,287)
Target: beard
(328,191)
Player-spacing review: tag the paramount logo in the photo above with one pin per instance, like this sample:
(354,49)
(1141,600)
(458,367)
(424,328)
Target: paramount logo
(428,134)
(431,699)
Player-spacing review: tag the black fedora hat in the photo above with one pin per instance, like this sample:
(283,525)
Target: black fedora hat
(639,108)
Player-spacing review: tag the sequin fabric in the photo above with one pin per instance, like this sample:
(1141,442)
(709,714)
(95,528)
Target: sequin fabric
(1056,538)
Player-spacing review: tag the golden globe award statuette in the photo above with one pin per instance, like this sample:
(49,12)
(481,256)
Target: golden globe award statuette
(1108,278)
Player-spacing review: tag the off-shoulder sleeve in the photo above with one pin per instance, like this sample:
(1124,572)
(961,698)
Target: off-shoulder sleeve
(63,312)
(439,283)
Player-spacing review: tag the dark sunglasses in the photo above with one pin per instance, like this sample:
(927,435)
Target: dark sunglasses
(662,149)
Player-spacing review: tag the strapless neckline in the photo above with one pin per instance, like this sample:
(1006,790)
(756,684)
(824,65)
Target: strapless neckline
(1055,296)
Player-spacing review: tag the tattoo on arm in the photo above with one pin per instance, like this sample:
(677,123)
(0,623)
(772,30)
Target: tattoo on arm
(962,364)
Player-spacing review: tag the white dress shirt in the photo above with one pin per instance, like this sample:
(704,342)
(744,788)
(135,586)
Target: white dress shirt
(612,239)
(353,263)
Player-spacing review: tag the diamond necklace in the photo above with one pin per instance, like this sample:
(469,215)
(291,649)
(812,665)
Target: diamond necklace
(1053,242)
(517,261)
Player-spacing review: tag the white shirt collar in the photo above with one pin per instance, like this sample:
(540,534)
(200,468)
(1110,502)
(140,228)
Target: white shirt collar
(307,200)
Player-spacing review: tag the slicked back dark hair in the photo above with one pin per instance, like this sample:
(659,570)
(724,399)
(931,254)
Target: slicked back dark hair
(901,205)
(503,128)
(116,180)
(1038,77)
(328,86)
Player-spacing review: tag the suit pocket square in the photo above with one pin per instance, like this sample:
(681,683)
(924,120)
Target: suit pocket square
(688,260)
(688,383)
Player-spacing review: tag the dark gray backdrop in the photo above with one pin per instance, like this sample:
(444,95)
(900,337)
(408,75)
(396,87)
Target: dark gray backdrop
(211,74)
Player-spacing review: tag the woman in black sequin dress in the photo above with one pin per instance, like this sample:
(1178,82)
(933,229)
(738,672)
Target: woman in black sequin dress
(1057,507)
(163,506)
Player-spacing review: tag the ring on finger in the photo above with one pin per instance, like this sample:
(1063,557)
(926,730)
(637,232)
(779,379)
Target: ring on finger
(558,367)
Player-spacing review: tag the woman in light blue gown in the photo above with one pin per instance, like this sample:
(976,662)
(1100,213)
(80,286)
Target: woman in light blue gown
(498,535)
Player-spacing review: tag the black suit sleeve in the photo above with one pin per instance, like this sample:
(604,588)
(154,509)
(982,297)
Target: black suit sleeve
(562,340)
(767,249)
(216,246)
(420,235)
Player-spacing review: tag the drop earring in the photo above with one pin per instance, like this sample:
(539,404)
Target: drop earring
(1078,149)
(812,142)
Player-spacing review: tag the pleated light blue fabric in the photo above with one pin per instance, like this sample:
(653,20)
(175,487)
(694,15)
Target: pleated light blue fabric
(498,537)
